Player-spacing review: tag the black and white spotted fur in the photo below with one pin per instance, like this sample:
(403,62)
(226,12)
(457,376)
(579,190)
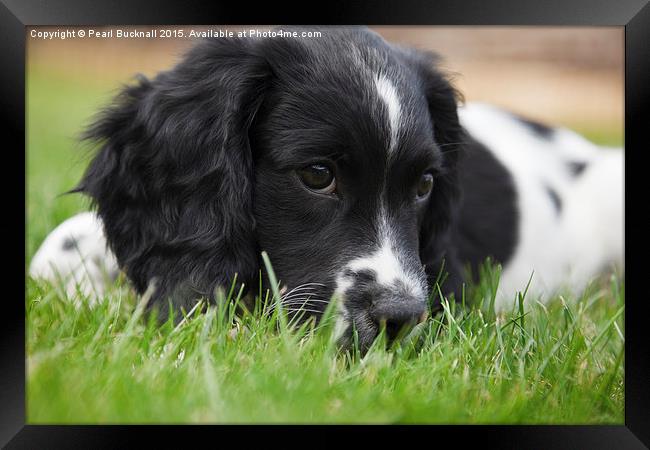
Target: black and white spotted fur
(196,175)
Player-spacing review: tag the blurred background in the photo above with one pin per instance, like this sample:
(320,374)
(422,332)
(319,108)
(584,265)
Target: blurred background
(570,76)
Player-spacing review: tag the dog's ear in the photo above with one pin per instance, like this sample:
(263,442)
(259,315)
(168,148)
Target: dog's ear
(442,100)
(173,178)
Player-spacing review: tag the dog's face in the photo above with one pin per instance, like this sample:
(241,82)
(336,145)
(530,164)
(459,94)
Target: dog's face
(342,185)
(334,156)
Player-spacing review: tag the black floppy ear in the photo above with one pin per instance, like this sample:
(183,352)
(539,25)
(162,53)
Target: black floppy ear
(173,178)
(442,100)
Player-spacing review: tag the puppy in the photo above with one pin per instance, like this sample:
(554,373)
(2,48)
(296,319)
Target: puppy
(348,160)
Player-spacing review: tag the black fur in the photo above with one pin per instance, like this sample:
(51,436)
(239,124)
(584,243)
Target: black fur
(69,243)
(487,221)
(577,167)
(555,199)
(173,180)
(541,130)
(195,174)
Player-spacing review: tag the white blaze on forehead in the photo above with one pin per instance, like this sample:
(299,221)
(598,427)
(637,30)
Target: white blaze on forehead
(388,94)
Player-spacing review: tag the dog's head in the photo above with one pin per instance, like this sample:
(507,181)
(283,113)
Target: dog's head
(335,155)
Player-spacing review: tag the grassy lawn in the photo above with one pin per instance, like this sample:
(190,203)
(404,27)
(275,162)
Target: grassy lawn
(559,363)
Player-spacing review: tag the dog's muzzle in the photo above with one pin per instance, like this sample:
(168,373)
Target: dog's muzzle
(367,306)
(397,313)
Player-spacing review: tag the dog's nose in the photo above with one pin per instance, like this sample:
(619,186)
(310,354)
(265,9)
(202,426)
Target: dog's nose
(397,313)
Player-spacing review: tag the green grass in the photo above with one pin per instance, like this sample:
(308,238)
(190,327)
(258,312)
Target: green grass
(559,363)
(57,109)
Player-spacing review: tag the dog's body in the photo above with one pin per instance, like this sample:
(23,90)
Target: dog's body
(349,162)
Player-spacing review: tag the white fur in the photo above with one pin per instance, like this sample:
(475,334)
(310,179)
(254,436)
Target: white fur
(342,316)
(86,266)
(564,251)
(388,94)
(386,263)
(387,267)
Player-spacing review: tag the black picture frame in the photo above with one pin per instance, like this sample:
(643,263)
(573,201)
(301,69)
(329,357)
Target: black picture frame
(634,15)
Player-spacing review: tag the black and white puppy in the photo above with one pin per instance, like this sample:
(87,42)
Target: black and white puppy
(349,161)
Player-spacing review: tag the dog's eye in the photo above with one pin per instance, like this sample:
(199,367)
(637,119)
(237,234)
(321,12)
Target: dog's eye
(425,185)
(319,178)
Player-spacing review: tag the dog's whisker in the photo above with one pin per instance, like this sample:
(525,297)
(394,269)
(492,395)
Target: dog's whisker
(304,310)
(304,286)
(296,310)
(297,302)
(307,300)
(294,291)
(304,301)
(293,298)
(302,305)
(306,291)
(303,295)
(309,284)
(300,290)
(298,297)
(450,143)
